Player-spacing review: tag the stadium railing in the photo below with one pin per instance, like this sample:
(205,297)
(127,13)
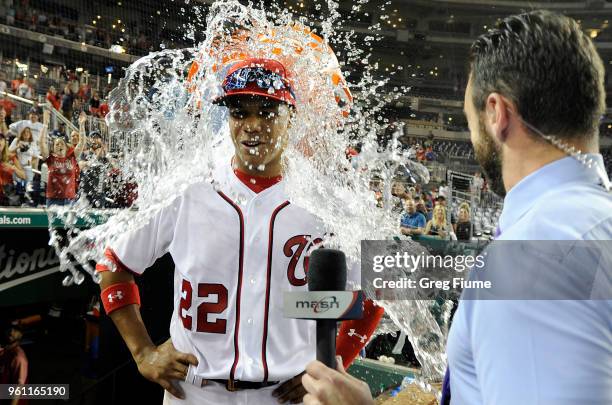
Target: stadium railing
(25,104)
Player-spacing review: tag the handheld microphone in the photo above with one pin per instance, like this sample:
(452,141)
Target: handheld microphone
(326,301)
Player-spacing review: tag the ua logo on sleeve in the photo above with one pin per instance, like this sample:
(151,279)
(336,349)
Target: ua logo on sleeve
(300,242)
(118,296)
(361,338)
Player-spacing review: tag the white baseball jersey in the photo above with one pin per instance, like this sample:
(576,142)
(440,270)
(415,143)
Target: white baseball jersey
(235,252)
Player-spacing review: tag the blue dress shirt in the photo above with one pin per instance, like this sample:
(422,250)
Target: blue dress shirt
(540,352)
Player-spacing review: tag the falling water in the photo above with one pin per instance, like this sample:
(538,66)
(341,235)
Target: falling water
(170,136)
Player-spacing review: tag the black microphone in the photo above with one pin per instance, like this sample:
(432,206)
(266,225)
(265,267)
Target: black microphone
(327,272)
(326,300)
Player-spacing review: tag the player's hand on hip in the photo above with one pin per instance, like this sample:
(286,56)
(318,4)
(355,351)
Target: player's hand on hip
(326,386)
(291,391)
(164,364)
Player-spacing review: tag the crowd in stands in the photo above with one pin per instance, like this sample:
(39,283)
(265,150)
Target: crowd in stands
(20,14)
(426,212)
(74,97)
(429,149)
(453,149)
(137,37)
(55,166)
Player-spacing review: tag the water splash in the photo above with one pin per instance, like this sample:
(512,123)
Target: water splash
(169,135)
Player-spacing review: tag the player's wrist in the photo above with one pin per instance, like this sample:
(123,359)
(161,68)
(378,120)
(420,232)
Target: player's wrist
(140,353)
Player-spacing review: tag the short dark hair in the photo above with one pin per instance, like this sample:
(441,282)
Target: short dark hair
(548,67)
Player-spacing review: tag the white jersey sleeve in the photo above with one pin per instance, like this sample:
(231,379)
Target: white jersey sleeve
(138,249)
(13,146)
(16,127)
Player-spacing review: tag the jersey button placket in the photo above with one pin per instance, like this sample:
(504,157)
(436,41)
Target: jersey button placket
(245,313)
(247,339)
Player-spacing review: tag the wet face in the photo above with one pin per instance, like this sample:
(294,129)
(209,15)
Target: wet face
(488,152)
(258,127)
(59,147)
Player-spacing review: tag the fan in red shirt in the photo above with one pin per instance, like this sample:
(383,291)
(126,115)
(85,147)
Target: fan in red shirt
(62,164)
(9,165)
(16,83)
(103,110)
(53,98)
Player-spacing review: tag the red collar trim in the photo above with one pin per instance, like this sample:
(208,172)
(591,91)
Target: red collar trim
(256,183)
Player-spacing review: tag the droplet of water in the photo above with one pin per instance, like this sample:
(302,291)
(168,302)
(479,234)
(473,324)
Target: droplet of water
(67,281)
(79,278)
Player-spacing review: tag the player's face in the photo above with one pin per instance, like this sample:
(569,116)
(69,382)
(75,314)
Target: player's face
(258,127)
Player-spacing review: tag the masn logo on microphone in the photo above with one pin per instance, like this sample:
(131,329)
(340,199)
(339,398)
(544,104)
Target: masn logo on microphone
(322,305)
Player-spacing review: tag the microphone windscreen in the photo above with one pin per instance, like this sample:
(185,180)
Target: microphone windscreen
(327,270)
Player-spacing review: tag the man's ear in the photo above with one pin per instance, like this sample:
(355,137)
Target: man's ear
(496,115)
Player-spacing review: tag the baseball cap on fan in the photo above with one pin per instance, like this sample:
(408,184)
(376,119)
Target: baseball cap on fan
(257,77)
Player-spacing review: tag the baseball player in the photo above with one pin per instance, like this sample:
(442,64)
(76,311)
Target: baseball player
(229,342)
